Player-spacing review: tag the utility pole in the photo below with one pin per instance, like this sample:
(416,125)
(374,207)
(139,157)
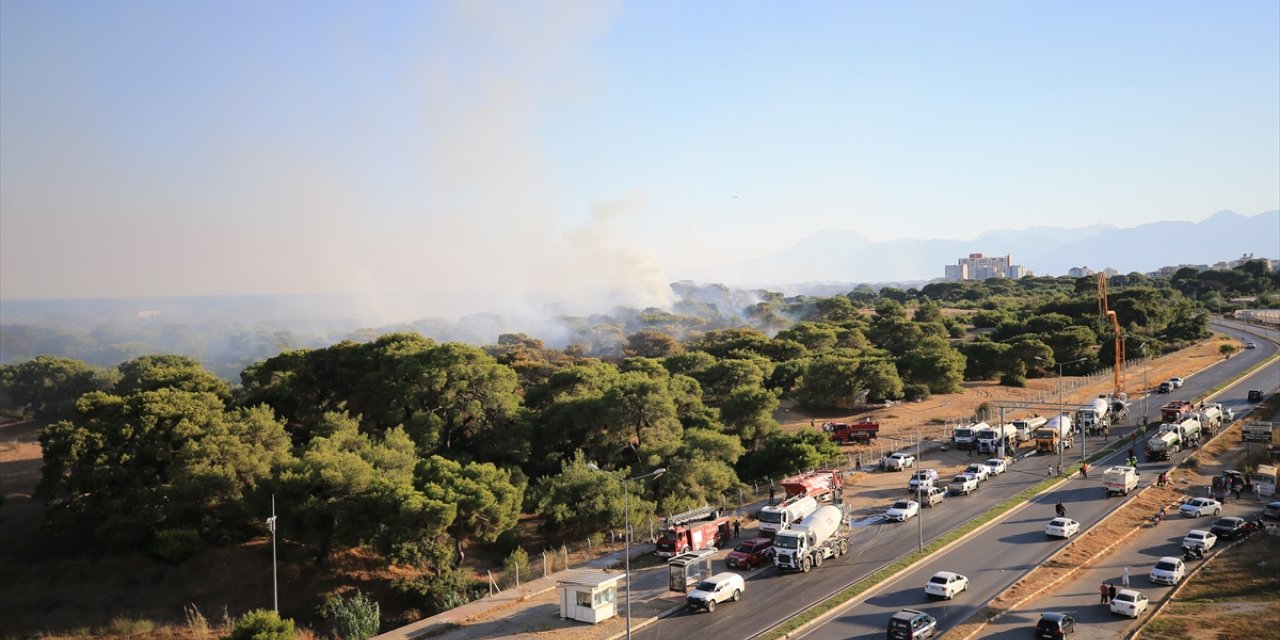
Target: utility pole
(275,584)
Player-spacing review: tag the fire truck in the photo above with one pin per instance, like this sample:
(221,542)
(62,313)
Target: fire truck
(694,530)
(825,485)
(858,432)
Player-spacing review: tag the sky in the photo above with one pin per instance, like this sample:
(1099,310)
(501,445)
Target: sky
(598,150)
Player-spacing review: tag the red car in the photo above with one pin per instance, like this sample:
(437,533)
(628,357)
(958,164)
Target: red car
(756,552)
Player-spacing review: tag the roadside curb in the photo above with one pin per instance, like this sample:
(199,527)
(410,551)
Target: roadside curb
(1168,599)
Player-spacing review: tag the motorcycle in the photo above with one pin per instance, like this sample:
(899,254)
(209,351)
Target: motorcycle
(1192,553)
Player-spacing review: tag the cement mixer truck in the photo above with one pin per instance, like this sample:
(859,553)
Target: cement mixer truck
(780,517)
(816,538)
(1056,434)
(1093,417)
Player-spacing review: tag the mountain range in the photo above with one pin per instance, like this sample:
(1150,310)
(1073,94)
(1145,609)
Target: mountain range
(846,256)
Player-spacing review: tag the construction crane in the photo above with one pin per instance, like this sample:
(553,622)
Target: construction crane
(1118,392)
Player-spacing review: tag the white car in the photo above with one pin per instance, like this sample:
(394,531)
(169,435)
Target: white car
(996,466)
(1176,382)
(903,509)
(1200,538)
(1250,345)
(963,483)
(1129,602)
(1062,528)
(946,584)
(978,470)
(1168,570)
(899,461)
(1196,507)
(716,589)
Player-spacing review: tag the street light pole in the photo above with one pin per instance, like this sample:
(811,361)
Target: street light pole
(1062,411)
(626,530)
(919,484)
(275,588)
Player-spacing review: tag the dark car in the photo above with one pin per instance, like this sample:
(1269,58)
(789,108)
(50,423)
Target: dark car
(1255,395)
(1228,528)
(756,552)
(1055,625)
(910,624)
(1272,510)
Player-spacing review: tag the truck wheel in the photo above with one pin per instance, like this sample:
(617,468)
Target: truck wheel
(711,606)
(806,564)
(844,547)
(737,595)
(817,559)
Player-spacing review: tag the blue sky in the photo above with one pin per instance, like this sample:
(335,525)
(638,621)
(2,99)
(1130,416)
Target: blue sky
(593,148)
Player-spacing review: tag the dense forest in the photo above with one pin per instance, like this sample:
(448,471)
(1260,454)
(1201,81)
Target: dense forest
(415,448)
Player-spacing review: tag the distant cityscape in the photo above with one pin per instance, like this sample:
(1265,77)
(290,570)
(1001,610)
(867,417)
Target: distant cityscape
(980,266)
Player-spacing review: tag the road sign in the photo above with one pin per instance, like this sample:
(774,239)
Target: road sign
(1257,432)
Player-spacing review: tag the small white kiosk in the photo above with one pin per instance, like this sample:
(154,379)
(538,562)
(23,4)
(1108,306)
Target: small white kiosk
(588,595)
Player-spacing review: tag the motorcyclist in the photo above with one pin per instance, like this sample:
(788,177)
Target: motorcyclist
(1060,510)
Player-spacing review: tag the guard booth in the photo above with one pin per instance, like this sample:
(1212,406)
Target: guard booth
(688,569)
(588,595)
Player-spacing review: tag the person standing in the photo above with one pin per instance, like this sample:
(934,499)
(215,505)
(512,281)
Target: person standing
(1102,592)
(1111,592)
(737,526)
(772,493)
(1084,470)
(1050,471)
(1124,578)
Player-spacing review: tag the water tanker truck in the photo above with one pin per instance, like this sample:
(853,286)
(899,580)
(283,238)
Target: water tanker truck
(780,517)
(1027,426)
(816,538)
(1163,445)
(967,437)
(991,438)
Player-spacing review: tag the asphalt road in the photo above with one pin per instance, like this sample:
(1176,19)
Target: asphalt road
(992,560)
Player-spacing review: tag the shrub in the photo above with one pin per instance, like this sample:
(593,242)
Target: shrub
(1013,380)
(262,624)
(176,545)
(356,618)
(516,564)
(124,626)
(915,391)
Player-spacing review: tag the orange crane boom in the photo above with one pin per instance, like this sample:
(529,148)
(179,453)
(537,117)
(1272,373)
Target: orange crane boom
(1118,371)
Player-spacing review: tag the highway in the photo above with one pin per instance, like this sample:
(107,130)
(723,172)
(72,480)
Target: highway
(993,560)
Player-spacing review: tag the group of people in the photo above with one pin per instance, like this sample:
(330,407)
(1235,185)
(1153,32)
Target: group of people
(1108,590)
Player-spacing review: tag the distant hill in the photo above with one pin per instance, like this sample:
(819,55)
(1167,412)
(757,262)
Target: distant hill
(846,256)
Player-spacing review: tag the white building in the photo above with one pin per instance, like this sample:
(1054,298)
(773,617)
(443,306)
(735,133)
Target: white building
(981,267)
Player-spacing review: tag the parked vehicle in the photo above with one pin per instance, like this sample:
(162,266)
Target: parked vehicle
(693,530)
(1272,510)
(922,479)
(932,496)
(992,438)
(807,544)
(858,432)
(1129,602)
(1199,539)
(1229,528)
(781,516)
(1255,395)
(1119,481)
(902,510)
(1168,570)
(978,470)
(1055,626)
(755,552)
(1062,527)
(1095,416)
(1177,411)
(946,584)
(967,437)
(962,484)
(996,466)
(1165,387)
(718,588)
(1188,429)
(1176,382)
(1058,433)
(1027,426)
(1210,417)
(899,461)
(1196,507)
(823,484)
(911,624)
(1163,445)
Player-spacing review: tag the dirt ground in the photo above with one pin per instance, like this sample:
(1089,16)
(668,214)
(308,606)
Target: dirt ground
(46,591)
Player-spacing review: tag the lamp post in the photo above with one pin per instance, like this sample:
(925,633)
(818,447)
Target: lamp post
(1146,390)
(1062,408)
(271,524)
(626,530)
(920,485)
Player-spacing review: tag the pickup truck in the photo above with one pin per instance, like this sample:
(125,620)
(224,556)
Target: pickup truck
(716,589)
(963,484)
(899,461)
(925,478)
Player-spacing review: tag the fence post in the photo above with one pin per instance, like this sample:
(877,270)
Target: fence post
(517,568)
(589,543)
(565,551)
(545,572)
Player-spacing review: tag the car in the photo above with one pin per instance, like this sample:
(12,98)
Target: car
(932,496)
(1129,602)
(963,483)
(1250,345)
(911,624)
(946,584)
(1165,387)
(756,552)
(1062,527)
(996,466)
(1176,382)
(1055,625)
(1228,528)
(903,509)
(922,478)
(1228,415)
(1196,507)
(1200,539)
(716,589)
(1168,570)
(1272,510)
(1255,395)
(899,461)
(978,470)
